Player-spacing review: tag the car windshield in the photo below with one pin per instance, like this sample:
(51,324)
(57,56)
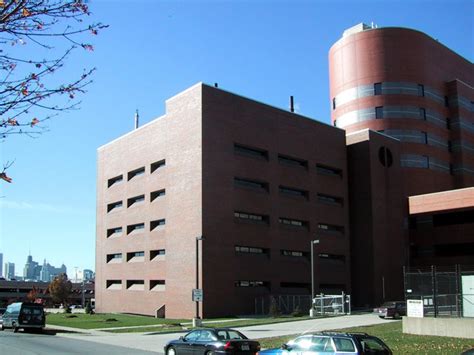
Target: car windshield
(192,336)
(389,304)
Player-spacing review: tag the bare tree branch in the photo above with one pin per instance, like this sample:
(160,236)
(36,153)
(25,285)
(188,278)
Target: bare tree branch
(26,93)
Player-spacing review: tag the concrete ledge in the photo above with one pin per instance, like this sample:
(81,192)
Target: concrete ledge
(446,327)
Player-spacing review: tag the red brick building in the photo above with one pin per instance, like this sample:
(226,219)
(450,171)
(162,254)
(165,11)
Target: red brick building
(258,183)
(405,85)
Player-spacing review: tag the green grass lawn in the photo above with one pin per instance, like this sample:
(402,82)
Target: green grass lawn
(95,321)
(149,324)
(391,334)
(226,323)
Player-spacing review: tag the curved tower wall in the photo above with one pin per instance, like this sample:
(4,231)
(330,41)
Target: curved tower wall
(407,85)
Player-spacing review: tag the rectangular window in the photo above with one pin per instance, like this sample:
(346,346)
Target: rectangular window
(135,285)
(157,285)
(246,283)
(251,217)
(422,113)
(114,206)
(113,284)
(157,254)
(330,228)
(327,170)
(136,256)
(378,89)
(332,258)
(290,191)
(139,227)
(379,112)
(155,194)
(295,285)
(135,173)
(114,258)
(421,90)
(250,152)
(450,147)
(446,101)
(251,184)
(294,253)
(330,200)
(114,232)
(293,222)
(448,123)
(250,250)
(289,161)
(157,223)
(114,180)
(157,165)
(135,200)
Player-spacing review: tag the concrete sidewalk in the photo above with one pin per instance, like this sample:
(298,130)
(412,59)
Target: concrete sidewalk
(155,341)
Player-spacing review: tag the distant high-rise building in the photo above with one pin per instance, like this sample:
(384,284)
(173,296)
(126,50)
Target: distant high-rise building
(9,271)
(85,275)
(49,272)
(31,269)
(1,264)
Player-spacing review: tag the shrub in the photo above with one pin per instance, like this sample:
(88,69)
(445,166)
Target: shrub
(88,308)
(274,311)
(297,312)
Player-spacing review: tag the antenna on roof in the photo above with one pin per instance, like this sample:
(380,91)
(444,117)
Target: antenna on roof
(216,85)
(136,119)
(292,106)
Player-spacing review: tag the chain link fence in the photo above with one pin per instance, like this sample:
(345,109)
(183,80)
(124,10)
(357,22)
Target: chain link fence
(445,291)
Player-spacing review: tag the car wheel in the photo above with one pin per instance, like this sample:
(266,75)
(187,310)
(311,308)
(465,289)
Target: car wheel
(396,316)
(210,352)
(382,317)
(171,351)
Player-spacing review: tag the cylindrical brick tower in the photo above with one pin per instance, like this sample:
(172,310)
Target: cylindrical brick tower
(407,85)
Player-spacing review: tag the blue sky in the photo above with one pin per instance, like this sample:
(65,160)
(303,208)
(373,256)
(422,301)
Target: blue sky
(265,50)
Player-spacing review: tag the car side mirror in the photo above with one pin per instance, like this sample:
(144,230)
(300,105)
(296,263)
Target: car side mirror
(182,338)
(285,347)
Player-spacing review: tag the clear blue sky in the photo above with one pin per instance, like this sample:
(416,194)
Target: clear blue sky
(265,50)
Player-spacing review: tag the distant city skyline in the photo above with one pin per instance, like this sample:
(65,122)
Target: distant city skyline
(19,268)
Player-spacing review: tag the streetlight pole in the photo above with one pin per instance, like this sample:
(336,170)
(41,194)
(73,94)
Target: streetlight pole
(196,319)
(312,243)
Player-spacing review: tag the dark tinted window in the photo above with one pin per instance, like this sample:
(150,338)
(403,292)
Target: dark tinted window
(344,344)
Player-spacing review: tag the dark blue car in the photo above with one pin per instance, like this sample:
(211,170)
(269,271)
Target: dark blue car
(221,341)
(332,343)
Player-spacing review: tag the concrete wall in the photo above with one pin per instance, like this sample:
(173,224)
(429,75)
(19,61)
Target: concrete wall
(448,327)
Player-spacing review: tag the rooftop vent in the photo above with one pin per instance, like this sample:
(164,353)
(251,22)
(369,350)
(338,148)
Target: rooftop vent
(358,28)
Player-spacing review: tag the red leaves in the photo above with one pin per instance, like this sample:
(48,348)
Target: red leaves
(25,12)
(34,122)
(12,122)
(88,47)
(4,176)
(24,91)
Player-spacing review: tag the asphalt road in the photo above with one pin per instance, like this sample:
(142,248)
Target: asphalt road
(52,343)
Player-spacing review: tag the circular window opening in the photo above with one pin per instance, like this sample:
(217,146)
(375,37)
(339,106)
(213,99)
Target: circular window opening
(385,157)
